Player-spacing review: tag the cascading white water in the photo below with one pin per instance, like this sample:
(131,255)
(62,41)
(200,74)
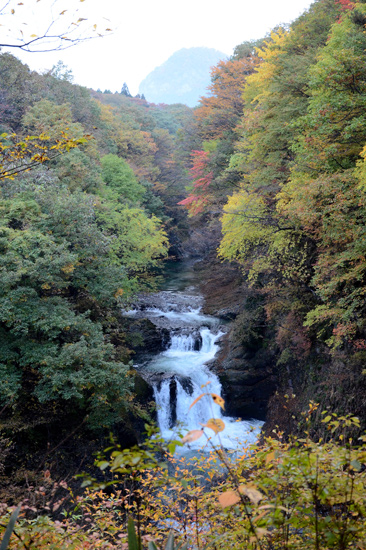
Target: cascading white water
(185,376)
(183,363)
(182,342)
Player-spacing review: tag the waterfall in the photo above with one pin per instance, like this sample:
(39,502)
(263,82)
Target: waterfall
(190,374)
(182,342)
(181,374)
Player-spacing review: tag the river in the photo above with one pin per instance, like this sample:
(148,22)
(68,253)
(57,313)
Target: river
(185,369)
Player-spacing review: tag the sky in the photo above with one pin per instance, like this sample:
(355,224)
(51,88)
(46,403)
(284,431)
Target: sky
(145,33)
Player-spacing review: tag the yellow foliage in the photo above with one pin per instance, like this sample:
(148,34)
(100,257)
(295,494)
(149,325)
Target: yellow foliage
(266,499)
(360,170)
(257,83)
(69,268)
(197,399)
(215,424)
(218,400)
(245,224)
(193,435)
(21,155)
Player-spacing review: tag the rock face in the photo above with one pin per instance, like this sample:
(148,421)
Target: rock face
(146,337)
(183,78)
(245,364)
(247,379)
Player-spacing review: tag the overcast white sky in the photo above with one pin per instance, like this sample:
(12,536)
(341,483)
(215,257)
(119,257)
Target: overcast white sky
(147,32)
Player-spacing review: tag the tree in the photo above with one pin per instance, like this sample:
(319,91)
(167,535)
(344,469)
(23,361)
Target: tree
(219,113)
(18,87)
(125,91)
(45,117)
(48,32)
(216,121)
(53,257)
(22,155)
(138,242)
(49,124)
(324,196)
(121,180)
(62,72)
(202,179)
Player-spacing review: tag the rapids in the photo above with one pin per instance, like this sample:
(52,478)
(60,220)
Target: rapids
(184,371)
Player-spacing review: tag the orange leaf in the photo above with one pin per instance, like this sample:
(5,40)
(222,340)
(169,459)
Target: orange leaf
(229,498)
(197,399)
(251,492)
(272,506)
(193,435)
(218,400)
(270,457)
(215,424)
(261,515)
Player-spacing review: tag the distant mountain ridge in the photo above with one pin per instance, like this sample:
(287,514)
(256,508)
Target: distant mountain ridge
(183,78)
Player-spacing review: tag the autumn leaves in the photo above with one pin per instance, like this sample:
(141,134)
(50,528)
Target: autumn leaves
(215,424)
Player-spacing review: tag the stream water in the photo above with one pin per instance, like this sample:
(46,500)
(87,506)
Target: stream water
(184,370)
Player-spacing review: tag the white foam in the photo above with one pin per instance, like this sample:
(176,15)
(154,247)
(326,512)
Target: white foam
(193,378)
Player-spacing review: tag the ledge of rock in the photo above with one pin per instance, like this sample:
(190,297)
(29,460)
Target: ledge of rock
(248,380)
(246,369)
(146,337)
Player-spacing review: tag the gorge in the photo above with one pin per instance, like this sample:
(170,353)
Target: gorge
(256,199)
(185,367)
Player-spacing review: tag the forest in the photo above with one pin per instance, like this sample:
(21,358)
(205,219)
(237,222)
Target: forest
(262,187)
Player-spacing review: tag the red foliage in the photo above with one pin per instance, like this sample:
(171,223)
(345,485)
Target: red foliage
(202,178)
(194,204)
(346,4)
(359,345)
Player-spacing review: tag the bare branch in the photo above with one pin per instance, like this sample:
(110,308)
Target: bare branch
(61,31)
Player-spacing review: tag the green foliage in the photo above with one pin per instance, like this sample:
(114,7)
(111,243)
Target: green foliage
(62,72)
(139,242)
(19,87)
(243,226)
(121,180)
(79,171)
(46,342)
(332,133)
(134,542)
(125,91)
(296,222)
(322,193)
(76,241)
(296,494)
(47,118)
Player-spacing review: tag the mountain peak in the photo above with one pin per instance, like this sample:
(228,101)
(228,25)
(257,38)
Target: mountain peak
(183,78)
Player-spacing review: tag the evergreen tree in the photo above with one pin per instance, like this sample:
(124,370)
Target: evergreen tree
(125,91)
